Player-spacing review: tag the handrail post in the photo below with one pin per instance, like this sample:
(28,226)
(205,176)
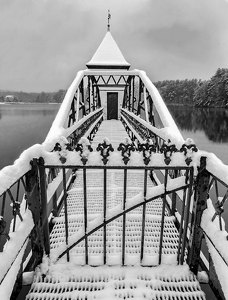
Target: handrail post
(33,201)
(200,204)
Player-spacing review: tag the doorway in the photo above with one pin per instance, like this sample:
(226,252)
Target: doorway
(112,106)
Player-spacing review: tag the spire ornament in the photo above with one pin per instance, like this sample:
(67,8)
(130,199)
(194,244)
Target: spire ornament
(109,17)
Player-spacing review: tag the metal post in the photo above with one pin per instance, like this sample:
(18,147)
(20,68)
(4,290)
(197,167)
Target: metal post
(174,197)
(104,212)
(162,218)
(85,215)
(33,201)
(200,204)
(143,216)
(65,213)
(43,201)
(89,93)
(124,216)
(186,220)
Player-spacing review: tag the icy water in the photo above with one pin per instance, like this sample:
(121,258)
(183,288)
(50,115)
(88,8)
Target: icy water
(22,125)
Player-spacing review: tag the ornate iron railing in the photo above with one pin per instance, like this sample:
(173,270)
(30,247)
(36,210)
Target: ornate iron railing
(185,224)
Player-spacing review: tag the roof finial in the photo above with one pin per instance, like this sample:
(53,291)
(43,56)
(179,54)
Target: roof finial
(109,17)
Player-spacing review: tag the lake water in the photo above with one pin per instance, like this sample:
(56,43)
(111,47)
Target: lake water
(22,125)
(207,126)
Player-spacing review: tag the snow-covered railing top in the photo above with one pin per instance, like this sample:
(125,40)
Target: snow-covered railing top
(59,123)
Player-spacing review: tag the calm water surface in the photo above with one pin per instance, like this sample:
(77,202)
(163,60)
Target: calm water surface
(207,126)
(21,126)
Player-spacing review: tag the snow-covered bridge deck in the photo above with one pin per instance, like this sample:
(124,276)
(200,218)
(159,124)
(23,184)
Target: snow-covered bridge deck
(75,280)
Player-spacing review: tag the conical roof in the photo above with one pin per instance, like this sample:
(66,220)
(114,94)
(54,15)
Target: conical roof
(108,55)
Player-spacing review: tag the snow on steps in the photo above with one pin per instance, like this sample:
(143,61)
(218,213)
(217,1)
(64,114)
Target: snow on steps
(70,282)
(114,229)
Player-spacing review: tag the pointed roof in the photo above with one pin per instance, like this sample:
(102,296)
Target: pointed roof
(108,55)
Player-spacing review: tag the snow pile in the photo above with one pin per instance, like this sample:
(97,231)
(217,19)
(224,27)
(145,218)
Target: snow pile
(220,240)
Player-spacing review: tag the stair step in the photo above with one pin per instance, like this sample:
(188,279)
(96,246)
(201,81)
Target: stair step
(68,281)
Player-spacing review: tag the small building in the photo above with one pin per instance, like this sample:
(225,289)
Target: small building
(109,57)
(10,98)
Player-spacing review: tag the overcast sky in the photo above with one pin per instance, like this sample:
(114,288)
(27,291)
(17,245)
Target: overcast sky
(43,43)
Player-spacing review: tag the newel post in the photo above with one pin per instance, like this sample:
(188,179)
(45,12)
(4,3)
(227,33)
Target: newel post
(43,202)
(200,204)
(37,203)
(33,201)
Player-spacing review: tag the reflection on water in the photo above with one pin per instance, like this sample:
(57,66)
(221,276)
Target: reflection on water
(213,121)
(207,127)
(21,126)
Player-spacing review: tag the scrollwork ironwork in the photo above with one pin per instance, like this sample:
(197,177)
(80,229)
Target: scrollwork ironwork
(168,149)
(105,148)
(126,149)
(147,148)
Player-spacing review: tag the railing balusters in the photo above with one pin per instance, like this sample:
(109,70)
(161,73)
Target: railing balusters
(85,214)
(124,216)
(104,212)
(65,212)
(43,200)
(143,216)
(162,218)
(186,216)
(174,197)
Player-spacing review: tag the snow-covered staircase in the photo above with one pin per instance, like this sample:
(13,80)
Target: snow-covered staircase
(70,282)
(75,280)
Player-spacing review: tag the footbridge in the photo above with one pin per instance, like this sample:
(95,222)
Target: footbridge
(115,204)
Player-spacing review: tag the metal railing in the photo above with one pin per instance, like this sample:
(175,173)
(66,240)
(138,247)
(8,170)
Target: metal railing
(184,224)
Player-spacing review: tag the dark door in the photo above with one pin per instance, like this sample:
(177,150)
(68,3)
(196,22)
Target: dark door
(112,106)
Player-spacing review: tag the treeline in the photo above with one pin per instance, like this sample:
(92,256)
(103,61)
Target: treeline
(43,97)
(210,93)
(193,92)
(178,91)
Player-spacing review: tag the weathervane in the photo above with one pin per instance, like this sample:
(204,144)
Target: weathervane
(109,17)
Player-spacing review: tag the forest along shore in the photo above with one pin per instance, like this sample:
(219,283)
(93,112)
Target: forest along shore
(191,92)
(194,92)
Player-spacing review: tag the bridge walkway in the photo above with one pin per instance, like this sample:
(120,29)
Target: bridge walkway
(134,280)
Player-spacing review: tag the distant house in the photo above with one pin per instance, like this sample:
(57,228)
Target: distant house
(10,98)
